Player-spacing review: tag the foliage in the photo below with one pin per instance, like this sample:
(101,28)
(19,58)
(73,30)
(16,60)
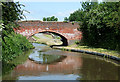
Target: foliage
(72,23)
(12,44)
(77,42)
(50,18)
(66,19)
(11,12)
(99,24)
(77,15)
(44,19)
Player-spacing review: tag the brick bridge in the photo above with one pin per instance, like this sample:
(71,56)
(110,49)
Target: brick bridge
(67,31)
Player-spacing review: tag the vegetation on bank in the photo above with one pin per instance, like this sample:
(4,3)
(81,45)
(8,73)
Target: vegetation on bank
(90,49)
(99,23)
(12,44)
(98,50)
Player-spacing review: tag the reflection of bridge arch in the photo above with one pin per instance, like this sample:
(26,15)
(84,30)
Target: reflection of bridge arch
(52,62)
(67,66)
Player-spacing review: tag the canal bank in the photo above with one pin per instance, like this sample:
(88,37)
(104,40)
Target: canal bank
(114,56)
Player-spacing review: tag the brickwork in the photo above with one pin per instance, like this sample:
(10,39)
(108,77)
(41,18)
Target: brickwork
(68,30)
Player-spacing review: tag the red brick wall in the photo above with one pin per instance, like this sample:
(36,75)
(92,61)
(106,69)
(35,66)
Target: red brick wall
(68,30)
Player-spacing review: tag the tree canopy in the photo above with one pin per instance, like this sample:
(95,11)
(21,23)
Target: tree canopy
(11,12)
(13,44)
(100,23)
(66,19)
(53,18)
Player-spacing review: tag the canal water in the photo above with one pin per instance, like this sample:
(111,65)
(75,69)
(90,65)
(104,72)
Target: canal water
(45,63)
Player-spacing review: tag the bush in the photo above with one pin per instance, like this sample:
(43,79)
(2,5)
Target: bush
(99,24)
(13,46)
(72,23)
(65,21)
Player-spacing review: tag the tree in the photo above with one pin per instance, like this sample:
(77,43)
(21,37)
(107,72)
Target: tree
(11,12)
(66,19)
(56,19)
(44,19)
(13,44)
(50,19)
(99,24)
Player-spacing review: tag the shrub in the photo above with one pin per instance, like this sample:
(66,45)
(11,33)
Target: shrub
(13,46)
(72,23)
(65,21)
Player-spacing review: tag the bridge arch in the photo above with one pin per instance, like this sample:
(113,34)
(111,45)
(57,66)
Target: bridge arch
(67,31)
(63,38)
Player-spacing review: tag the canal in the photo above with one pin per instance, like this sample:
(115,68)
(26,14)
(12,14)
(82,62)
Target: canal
(45,63)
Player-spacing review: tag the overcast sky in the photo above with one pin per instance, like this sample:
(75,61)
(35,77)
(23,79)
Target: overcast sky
(38,10)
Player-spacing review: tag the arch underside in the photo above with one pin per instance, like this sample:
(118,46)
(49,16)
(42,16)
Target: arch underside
(64,39)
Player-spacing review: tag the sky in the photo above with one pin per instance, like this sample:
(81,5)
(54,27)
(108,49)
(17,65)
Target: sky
(38,10)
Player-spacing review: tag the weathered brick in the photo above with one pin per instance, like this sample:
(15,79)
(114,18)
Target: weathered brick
(68,30)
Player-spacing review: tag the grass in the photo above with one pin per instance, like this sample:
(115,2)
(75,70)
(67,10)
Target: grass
(98,50)
(49,36)
(40,40)
(47,39)
(36,37)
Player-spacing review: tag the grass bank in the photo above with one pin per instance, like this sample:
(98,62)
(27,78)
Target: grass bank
(91,49)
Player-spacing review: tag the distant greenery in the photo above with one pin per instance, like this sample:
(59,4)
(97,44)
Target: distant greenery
(12,44)
(66,19)
(50,18)
(99,23)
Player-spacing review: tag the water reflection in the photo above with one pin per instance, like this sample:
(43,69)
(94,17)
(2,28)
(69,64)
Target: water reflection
(63,65)
(50,77)
(95,69)
(45,59)
(69,65)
